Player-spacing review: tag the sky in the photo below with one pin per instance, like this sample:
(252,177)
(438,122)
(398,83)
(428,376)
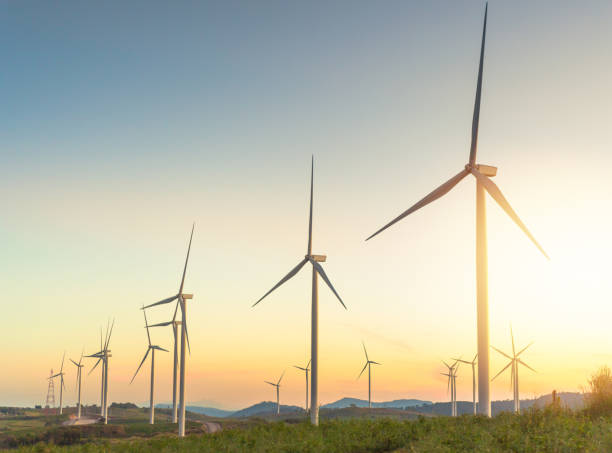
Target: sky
(122,124)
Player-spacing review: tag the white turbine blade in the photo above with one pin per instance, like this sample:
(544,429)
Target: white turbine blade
(94,367)
(308,365)
(462,361)
(523,350)
(446,364)
(161,302)
(366,352)
(63,357)
(161,324)
(310,216)
(299,367)
(512,336)
(475,357)
(502,353)
(494,191)
(55,375)
(375,363)
(281,378)
(187,337)
(524,364)
(291,273)
(364,367)
(321,272)
(143,360)
(159,348)
(475,119)
(178,301)
(271,383)
(62,381)
(186,260)
(109,335)
(74,362)
(144,312)
(437,193)
(503,369)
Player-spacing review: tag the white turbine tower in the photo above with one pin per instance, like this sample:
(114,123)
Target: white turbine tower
(151,348)
(514,363)
(483,174)
(317,270)
(368,365)
(473,364)
(79,369)
(181,299)
(305,370)
(103,355)
(277,385)
(452,385)
(62,386)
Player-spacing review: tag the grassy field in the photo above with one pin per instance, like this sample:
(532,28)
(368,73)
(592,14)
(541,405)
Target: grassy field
(535,431)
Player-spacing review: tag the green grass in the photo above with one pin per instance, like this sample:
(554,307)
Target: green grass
(535,431)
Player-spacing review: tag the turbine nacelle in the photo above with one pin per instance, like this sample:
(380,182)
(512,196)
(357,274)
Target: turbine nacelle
(486,170)
(317,258)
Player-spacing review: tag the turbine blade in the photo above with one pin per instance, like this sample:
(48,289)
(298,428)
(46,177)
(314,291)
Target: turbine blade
(308,364)
(437,193)
(364,367)
(310,216)
(271,383)
(187,337)
(299,367)
(474,361)
(109,335)
(524,364)
(144,312)
(462,361)
(159,348)
(143,360)
(375,363)
(94,367)
(366,352)
(446,364)
(74,362)
(63,357)
(186,260)
(503,369)
(496,194)
(281,378)
(523,350)
(321,272)
(176,308)
(476,117)
(502,353)
(291,273)
(161,302)
(161,324)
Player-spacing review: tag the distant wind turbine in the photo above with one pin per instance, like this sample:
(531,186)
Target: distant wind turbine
(452,385)
(62,386)
(277,385)
(317,269)
(103,355)
(181,299)
(151,348)
(368,365)
(305,370)
(482,173)
(473,364)
(79,369)
(514,363)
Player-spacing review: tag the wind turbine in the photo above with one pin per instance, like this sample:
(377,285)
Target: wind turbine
(514,363)
(181,299)
(317,269)
(473,364)
(368,364)
(103,355)
(79,368)
(62,386)
(452,385)
(482,173)
(305,370)
(152,348)
(277,385)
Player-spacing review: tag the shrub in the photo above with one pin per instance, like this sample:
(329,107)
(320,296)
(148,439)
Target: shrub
(599,398)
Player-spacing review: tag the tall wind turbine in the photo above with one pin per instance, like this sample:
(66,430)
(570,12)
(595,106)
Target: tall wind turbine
(317,269)
(482,173)
(181,299)
(62,386)
(452,385)
(514,363)
(103,355)
(305,370)
(473,364)
(151,348)
(79,369)
(368,365)
(277,385)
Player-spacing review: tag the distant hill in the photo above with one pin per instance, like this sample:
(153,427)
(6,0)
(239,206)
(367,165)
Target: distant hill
(265,407)
(399,404)
(210,411)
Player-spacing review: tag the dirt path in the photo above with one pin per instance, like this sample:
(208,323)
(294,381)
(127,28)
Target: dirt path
(81,421)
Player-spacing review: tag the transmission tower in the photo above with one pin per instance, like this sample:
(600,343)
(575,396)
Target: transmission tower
(50,393)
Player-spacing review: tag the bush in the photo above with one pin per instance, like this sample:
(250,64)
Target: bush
(599,398)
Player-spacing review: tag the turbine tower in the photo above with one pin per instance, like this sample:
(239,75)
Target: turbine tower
(151,348)
(103,355)
(368,365)
(79,368)
(62,386)
(473,364)
(181,301)
(317,270)
(482,173)
(277,385)
(305,370)
(514,363)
